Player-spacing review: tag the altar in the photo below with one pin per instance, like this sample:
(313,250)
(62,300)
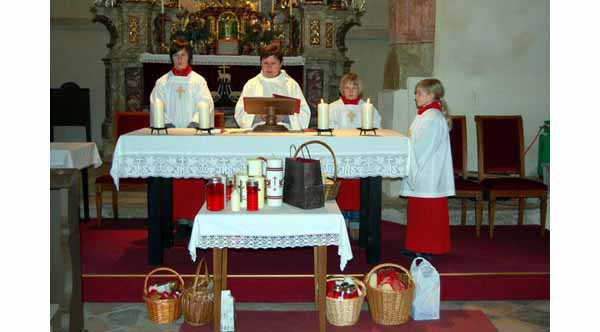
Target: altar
(225,75)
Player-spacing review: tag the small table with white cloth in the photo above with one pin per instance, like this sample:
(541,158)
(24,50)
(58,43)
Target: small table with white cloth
(272,227)
(66,161)
(184,154)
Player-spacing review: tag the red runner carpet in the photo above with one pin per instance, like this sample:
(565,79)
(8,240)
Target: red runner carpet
(515,265)
(304,321)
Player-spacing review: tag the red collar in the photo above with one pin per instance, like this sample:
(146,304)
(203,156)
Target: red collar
(184,72)
(434,104)
(350,101)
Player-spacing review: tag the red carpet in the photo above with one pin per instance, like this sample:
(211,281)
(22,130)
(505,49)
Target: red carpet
(304,321)
(514,265)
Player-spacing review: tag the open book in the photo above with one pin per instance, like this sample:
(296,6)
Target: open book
(297,109)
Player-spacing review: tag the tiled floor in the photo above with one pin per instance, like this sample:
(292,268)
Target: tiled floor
(507,316)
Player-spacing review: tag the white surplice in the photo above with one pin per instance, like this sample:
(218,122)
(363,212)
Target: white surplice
(348,116)
(430,173)
(181,95)
(261,86)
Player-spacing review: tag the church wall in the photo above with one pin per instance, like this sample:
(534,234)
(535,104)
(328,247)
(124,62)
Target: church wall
(76,49)
(494,59)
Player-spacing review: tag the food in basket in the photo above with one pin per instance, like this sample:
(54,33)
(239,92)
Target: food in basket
(388,280)
(164,291)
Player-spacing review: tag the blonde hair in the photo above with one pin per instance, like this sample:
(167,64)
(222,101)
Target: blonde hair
(435,87)
(350,78)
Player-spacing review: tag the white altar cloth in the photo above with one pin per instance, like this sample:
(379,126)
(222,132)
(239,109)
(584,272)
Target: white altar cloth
(216,60)
(281,227)
(74,155)
(181,154)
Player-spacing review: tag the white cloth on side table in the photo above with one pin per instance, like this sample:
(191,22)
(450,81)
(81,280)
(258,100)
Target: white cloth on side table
(74,155)
(272,227)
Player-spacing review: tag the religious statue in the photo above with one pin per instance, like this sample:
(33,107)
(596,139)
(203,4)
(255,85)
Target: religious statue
(227,25)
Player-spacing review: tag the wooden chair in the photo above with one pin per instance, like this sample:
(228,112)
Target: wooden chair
(465,188)
(501,163)
(70,106)
(124,122)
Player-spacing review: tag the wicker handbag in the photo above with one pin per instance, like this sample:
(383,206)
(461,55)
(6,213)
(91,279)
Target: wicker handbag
(345,312)
(331,188)
(390,307)
(163,311)
(197,301)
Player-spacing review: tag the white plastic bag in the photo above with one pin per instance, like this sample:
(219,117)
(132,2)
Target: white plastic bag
(227,311)
(426,303)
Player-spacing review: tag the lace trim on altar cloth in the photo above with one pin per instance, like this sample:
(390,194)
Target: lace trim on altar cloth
(186,166)
(215,60)
(266,242)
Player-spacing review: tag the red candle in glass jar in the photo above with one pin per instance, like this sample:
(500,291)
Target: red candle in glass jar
(229,188)
(252,194)
(215,190)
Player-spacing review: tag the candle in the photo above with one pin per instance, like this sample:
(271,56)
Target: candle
(178,5)
(273,6)
(290,2)
(241,180)
(235,200)
(259,7)
(367,115)
(157,114)
(261,190)
(323,115)
(204,115)
(162,6)
(254,167)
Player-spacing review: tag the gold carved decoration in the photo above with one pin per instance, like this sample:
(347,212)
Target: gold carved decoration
(328,35)
(133,23)
(174,27)
(315,32)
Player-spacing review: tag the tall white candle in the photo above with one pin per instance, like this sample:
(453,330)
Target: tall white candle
(323,115)
(367,115)
(157,114)
(162,6)
(204,115)
(235,200)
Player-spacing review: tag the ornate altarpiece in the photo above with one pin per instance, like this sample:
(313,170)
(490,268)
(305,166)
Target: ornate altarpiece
(311,32)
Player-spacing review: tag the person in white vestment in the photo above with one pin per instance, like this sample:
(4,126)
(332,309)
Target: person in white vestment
(181,89)
(272,80)
(345,113)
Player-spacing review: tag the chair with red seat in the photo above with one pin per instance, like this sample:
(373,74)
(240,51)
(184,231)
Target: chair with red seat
(501,163)
(124,122)
(465,188)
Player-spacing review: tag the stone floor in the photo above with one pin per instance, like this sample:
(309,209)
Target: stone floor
(507,316)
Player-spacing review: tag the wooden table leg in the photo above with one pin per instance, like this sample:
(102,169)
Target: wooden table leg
(224,269)
(218,277)
(316,269)
(321,276)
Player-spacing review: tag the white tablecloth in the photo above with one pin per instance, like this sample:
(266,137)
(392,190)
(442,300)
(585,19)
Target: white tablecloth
(74,155)
(215,60)
(283,227)
(181,154)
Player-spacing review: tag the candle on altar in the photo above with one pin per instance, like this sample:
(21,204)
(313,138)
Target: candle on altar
(273,6)
(259,6)
(204,115)
(367,115)
(291,5)
(157,114)
(162,6)
(323,115)
(235,200)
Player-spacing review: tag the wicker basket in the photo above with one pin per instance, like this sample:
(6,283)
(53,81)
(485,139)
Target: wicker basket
(165,310)
(330,189)
(345,312)
(197,301)
(389,307)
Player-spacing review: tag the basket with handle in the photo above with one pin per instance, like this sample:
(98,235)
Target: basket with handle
(332,188)
(389,307)
(163,311)
(345,312)
(197,300)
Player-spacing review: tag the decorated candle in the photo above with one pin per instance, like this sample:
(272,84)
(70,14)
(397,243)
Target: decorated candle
(323,115)
(235,200)
(240,182)
(157,114)
(204,115)
(367,115)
